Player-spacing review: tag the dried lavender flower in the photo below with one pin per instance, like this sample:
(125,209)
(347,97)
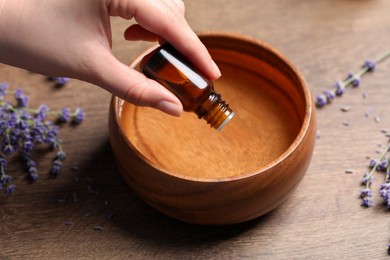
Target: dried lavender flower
(384,165)
(56,167)
(372,163)
(385,186)
(368,179)
(378,164)
(321,100)
(370,65)
(22,100)
(339,88)
(78,116)
(367,202)
(64,115)
(353,79)
(21,129)
(60,81)
(330,95)
(3,88)
(366,192)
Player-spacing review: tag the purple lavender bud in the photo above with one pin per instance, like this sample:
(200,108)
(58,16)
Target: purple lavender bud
(321,100)
(5,179)
(367,178)
(3,163)
(64,115)
(367,202)
(61,155)
(372,163)
(385,185)
(384,194)
(27,146)
(3,89)
(7,139)
(32,169)
(62,80)
(37,132)
(22,124)
(365,193)
(330,95)
(78,116)
(370,65)
(33,177)
(6,184)
(3,86)
(21,99)
(7,106)
(340,88)
(31,164)
(51,136)
(379,167)
(9,149)
(56,167)
(355,79)
(8,189)
(41,112)
(12,121)
(384,164)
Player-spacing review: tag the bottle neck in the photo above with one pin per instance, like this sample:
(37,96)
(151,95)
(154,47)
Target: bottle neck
(215,111)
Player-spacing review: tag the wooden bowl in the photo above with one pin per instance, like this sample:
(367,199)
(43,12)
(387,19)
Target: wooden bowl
(191,172)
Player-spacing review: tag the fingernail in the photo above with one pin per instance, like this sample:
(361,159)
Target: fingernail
(216,69)
(170,108)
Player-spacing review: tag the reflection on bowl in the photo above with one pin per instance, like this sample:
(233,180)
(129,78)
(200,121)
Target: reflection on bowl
(189,171)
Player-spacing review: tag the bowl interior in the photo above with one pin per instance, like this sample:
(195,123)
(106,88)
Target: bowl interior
(263,90)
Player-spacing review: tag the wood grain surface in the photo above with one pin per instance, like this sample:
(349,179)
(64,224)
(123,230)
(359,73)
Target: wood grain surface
(322,219)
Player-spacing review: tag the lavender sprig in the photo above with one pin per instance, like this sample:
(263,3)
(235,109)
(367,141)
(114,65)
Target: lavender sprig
(385,187)
(5,180)
(23,128)
(376,165)
(353,79)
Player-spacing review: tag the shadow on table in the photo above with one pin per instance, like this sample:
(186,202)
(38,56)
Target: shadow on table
(149,225)
(140,222)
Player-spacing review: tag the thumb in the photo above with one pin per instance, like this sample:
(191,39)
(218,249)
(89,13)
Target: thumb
(136,88)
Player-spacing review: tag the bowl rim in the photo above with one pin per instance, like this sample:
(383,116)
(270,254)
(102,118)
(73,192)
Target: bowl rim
(305,125)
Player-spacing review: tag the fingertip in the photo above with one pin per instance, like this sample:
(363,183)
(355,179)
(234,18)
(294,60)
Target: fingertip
(216,70)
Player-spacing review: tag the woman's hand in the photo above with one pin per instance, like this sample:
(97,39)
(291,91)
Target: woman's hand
(72,38)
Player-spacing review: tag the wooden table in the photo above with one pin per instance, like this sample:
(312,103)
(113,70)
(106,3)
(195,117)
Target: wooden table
(322,219)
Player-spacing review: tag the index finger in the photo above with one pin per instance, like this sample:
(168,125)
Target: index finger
(166,19)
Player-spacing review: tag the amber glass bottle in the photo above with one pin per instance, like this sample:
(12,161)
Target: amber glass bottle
(172,70)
